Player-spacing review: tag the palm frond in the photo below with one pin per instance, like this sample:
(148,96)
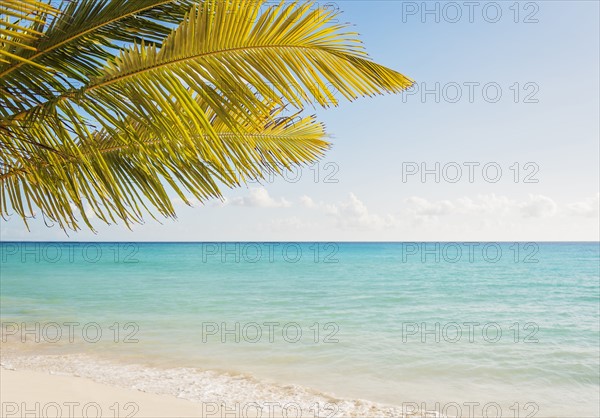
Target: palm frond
(85,124)
(125,176)
(228,53)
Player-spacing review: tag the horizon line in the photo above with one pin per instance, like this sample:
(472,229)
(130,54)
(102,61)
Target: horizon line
(301,241)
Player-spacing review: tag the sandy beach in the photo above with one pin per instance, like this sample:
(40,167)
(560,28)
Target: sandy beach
(43,394)
(82,386)
(40,394)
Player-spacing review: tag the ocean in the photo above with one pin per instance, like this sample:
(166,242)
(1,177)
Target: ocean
(464,329)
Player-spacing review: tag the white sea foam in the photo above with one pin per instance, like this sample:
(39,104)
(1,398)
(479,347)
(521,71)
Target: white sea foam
(234,392)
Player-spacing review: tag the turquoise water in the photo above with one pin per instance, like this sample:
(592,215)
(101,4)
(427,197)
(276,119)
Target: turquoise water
(515,324)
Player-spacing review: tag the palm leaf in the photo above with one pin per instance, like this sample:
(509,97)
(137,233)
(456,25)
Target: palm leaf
(182,114)
(123,176)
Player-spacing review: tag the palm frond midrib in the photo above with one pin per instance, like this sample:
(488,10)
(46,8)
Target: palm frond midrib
(111,149)
(167,63)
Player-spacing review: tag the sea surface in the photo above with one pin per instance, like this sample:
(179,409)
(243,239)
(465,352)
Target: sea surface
(464,329)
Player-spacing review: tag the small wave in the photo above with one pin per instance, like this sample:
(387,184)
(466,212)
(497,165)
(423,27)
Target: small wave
(232,392)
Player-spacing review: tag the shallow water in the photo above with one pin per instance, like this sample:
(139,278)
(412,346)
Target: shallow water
(513,326)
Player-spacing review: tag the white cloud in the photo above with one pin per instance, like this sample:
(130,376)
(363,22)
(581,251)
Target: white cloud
(354,207)
(307,202)
(485,204)
(87,209)
(423,207)
(259,198)
(490,205)
(588,208)
(352,213)
(219,203)
(538,206)
(330,209)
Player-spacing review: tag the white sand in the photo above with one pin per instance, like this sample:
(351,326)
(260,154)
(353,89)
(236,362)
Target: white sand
(43,394)
(78,385)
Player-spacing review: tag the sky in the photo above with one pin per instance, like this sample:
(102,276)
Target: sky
(498,141)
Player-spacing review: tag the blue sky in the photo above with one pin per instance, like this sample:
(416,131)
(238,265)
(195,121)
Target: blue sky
(545,121)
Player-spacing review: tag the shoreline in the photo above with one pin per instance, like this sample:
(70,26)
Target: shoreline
(105,388)
(34,383)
